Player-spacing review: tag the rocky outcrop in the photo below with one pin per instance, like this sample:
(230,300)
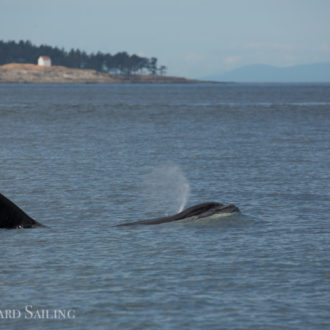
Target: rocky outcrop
(30,73)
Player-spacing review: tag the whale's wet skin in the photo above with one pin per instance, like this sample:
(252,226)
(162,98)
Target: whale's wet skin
(204,210)
(12,217)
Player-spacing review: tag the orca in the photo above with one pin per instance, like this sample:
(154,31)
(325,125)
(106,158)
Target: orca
(12,217)
(203,210)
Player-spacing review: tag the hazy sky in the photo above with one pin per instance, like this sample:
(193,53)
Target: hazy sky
(193,38)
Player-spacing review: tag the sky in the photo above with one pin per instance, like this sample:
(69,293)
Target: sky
(193,38)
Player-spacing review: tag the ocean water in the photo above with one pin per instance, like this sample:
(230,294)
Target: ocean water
(83,158)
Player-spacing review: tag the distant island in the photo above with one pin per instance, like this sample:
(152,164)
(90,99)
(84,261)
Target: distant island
(18,65)
(31,73)
(119,63)
(259,73)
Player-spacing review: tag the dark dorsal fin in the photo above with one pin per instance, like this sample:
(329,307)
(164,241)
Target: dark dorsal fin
(11,216)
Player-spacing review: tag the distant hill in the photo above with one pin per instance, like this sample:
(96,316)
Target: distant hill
(318,72)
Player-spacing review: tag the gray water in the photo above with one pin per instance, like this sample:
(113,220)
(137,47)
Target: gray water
(83,158)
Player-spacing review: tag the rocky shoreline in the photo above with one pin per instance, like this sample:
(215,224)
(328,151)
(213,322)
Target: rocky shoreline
(30,73)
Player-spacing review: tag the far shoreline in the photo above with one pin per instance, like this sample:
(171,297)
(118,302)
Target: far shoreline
(31,73)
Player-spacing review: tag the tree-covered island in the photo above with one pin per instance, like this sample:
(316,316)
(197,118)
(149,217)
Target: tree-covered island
(120,63)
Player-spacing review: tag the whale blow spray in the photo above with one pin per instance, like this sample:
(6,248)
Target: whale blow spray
(167,189)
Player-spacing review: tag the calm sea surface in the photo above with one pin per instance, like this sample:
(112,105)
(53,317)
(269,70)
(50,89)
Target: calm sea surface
(83,158)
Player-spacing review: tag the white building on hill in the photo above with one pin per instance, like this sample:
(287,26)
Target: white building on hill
(44,61)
